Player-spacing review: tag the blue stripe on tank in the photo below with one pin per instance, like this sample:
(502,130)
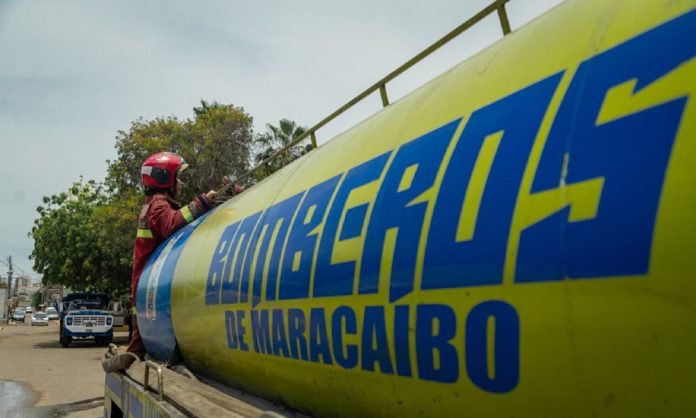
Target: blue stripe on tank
(154,294)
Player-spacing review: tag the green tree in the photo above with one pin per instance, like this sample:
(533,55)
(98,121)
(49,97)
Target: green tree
(36,298)
(66,240)
(276,138)
(216,142)
(143,139)
(83,238)
(114,224)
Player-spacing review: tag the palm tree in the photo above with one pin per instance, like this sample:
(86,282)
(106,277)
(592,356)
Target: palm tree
(276,138)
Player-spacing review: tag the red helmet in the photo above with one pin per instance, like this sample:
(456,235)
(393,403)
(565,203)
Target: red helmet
(159,170)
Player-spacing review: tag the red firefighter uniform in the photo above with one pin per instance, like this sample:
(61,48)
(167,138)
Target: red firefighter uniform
(159,218)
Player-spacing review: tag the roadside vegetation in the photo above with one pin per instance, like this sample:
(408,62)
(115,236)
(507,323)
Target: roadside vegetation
(83,236)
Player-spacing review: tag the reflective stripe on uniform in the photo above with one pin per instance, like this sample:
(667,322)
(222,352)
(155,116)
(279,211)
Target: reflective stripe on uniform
(187,213)
(144,233)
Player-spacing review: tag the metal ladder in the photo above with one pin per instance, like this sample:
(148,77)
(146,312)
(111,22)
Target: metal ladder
(381,85)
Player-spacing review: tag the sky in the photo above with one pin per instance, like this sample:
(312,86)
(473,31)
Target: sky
(74,73)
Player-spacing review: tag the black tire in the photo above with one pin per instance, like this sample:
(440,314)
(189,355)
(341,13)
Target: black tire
(103,340)
(65,341)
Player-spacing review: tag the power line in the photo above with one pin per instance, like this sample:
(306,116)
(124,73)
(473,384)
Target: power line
(17,268)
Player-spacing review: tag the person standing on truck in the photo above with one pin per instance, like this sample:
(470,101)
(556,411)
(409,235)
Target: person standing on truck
(160,217)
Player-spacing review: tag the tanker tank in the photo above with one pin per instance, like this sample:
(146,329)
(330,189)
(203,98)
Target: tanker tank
(515,237)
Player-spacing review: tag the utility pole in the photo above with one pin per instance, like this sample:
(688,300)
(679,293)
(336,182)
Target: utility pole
(9,278)
(9,287)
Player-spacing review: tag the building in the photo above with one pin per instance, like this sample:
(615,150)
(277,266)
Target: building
(53,295)
(3,302)
(22,286)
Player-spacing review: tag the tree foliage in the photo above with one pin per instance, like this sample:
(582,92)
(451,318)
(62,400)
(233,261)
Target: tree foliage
(276,138)
(65,239)
(114,224)
(84,237)
(216,142)
(36,298)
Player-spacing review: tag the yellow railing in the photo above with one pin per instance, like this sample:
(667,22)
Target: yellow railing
(381,85)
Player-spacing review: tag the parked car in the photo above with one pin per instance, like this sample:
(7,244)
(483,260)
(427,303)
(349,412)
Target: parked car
(18,314)
(52,313)
(28,309)
(39,318)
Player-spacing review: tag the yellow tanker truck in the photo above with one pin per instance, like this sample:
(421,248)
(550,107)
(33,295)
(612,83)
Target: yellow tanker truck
(514,238)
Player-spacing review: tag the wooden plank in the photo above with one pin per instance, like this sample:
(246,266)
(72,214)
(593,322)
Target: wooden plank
(199,399)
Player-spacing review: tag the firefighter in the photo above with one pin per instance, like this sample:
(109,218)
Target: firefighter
(160,217)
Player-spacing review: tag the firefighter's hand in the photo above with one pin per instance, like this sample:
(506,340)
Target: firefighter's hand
(236,188)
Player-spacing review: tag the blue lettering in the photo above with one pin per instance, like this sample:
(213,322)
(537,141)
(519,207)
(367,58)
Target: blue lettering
(231,328)
(337,279)
(280,344)
(494,144)
(504,375)
(344,317)
(235,330)
(277,217)
(402,346)
(318,337)
(428,341)
(301,245)
(375,347)
(296,329)
(353,223)
(217,265)
(241,331)
(626,157)
(261,330)
(398,209)
(233,266)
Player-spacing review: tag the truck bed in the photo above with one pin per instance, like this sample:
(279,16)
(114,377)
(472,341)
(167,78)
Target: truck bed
(181,396)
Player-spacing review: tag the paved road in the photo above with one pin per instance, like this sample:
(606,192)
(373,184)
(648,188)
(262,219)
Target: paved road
(49,380)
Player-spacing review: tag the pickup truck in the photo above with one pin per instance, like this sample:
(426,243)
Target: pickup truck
(85,316)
